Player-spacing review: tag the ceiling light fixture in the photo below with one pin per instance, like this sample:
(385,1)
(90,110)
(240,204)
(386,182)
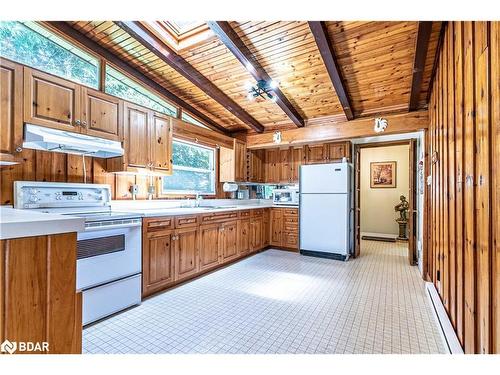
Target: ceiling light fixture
(264,89)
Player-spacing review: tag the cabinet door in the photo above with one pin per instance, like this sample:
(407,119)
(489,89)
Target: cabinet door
(209,246)
(265,228)
(11,106)
(136,136)
(157,261)
(316,154)
(161,143)
(51,101)
(256,164)
(284,166)
(276,223)
(102,115)
(243,237)
(229,243)
(336,151)
(256,233)
(186,252)
(240,158)
(297,159)
(272,170)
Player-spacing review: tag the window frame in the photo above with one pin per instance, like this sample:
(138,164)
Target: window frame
(163,192)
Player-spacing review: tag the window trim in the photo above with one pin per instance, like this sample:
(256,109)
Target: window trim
(170,193)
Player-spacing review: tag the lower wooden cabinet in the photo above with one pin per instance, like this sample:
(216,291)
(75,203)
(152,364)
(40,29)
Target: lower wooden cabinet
(38,297)
(186,245)
(284,228)
(209,246)
(157,261)
(175,249)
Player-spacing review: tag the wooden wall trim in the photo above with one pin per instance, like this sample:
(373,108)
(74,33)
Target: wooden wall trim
(398,123)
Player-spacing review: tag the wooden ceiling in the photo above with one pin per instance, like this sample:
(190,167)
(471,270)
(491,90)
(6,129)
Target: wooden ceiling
(375,60)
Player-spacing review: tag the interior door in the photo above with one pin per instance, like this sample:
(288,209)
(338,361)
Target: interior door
(357,204)
(412,201)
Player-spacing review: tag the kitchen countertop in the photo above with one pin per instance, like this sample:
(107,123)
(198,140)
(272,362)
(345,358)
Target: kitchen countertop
(26,223)
(205,209)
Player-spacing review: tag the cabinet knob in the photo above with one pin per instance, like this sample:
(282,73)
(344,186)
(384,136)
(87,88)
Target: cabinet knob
(19,149)
(77,122)
(84,123)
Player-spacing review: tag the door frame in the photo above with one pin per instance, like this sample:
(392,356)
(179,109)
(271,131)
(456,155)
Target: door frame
(412,199)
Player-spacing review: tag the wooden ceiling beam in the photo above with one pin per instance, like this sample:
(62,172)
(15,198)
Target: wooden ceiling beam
(320,33)
(421,47)
(344,130)
(234,43)
(436,58)
(88,43)
(170,57)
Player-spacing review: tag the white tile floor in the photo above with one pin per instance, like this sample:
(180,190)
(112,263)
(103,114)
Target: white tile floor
(281,302)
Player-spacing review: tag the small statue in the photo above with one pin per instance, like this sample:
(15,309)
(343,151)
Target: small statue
(402,207)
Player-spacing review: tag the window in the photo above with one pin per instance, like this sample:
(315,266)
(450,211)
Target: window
(188,118)
(120,85)
(193,170)
(30,44)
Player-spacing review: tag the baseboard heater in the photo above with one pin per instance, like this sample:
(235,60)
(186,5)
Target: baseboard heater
(446,328)
(375,238)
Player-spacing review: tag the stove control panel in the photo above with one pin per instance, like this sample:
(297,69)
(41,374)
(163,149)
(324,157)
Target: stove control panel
(32,194)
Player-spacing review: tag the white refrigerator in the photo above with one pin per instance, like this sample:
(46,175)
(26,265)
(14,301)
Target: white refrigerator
(325,210)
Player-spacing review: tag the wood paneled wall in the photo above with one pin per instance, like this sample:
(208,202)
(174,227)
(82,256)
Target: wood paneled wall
(463,222)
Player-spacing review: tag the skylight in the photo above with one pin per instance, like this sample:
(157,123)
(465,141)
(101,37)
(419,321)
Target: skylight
(180,34)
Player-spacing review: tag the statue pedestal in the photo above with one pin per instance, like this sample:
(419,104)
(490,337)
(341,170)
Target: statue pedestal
(402,230)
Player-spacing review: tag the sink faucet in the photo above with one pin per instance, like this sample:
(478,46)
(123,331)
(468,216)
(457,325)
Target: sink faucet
(198,200)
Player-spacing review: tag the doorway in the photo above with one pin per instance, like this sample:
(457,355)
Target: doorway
(384,172)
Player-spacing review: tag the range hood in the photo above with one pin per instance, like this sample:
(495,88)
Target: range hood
(47,139)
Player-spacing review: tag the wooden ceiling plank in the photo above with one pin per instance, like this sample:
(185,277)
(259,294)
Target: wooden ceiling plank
(233,42)
(69,31)
(421,47)
(149,40)
(318,28)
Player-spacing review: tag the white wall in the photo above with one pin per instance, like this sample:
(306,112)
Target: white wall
(377,204)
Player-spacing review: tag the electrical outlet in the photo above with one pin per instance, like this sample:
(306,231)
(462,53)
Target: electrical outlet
(134,189)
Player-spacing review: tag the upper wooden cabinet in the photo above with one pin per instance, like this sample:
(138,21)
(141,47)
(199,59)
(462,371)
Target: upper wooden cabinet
(327,152)
(147,142)
(102,115)
(51,101)
(256,165)
(297,159)
(272,171)
(233,162)
(60,104)
(11,107)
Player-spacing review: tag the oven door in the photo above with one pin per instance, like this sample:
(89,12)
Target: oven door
(108,253)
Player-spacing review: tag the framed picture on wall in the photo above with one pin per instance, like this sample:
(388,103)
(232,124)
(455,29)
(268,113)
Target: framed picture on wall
(383,174)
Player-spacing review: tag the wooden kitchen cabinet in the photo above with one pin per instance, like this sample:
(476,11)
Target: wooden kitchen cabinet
(157,260)
(51,101)
(209,246)
(102,115)
(256,165)
(11,111)
(272,169)
(327,152)
(297,159)
(147,142)
(229,241)
(243,236)
(233,162)
(316,153)
(284,227)
(38,297)
(265,227)
(285,166)
(186,242)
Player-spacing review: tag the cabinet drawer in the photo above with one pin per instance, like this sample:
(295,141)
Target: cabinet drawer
(219,217)
(257,212)
(291,212)
(244,214)
(291,227)
(156,225)
(186,221)
(290,219)
(290,240)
